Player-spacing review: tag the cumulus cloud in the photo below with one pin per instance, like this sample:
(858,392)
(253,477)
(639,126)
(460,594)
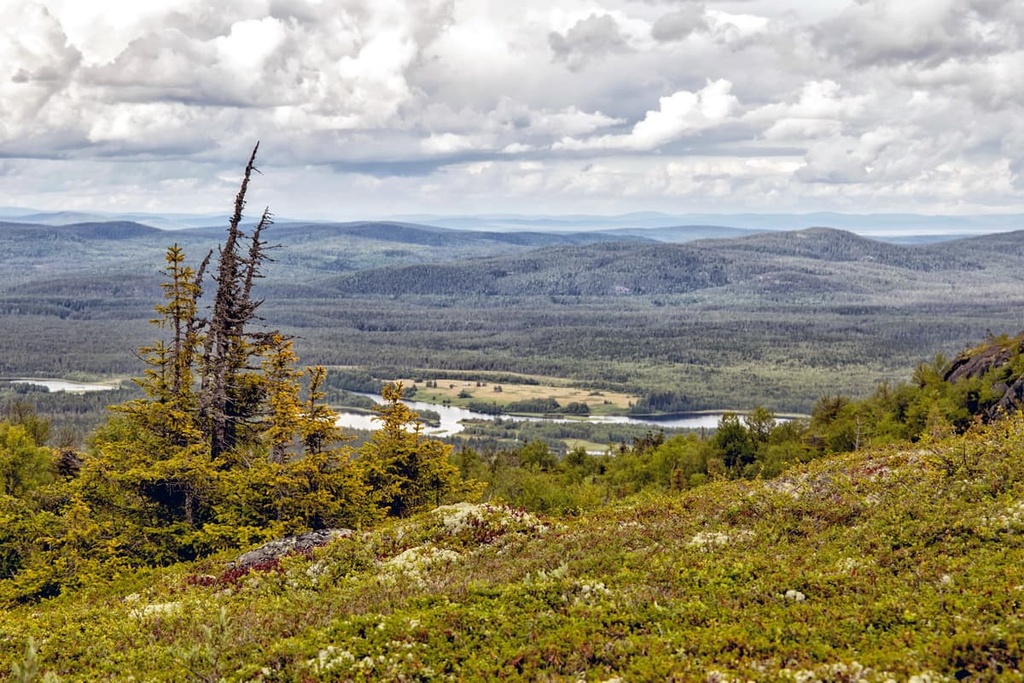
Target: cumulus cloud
(682,113)
(571,121)
(679,24)
(595,37)
(924,31)
(821,109)
(37,69)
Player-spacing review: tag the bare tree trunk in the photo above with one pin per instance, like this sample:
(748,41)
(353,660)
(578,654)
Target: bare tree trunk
(227,349)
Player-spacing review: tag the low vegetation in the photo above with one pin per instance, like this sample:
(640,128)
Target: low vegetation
(887,564)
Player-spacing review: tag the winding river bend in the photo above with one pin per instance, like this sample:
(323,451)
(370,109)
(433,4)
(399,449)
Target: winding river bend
(452,417)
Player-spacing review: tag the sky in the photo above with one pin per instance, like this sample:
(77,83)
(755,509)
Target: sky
(374,108)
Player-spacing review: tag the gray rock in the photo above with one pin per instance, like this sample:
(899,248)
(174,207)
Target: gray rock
(289,544)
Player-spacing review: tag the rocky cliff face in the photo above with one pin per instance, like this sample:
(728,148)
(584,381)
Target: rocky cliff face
(994,361)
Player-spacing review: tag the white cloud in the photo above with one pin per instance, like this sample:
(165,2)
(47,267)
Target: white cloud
(888,104)
(822,109)
(250,43)
(37,67)
(922,31)
(679,24)
(449,143)
(734,27)
(679,114)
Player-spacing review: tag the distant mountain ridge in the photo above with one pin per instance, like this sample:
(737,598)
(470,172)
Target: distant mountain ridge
(104,230)
(885,226)
(411,233)
(898,227)
(406,259)
(588,270)
(830,244)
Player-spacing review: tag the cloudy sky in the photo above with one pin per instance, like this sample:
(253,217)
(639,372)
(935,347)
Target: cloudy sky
(371,108)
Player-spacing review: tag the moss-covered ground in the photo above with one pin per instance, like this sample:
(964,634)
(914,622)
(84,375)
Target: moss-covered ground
(903,564)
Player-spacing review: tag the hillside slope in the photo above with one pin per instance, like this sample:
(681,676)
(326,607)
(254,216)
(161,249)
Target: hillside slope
(392,259)
(592,270)
(882,565)
(790,264)
(777,319)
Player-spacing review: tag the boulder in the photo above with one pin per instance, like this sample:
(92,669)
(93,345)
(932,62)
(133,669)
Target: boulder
(280,547)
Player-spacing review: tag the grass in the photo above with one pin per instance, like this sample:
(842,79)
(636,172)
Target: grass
(449,390)
(901,564)
(589,446)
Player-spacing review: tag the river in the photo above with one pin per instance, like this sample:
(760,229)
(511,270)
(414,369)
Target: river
(452,417)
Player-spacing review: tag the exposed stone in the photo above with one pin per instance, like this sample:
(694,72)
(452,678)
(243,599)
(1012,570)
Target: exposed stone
(1012,400)
(290,544)
(979,361)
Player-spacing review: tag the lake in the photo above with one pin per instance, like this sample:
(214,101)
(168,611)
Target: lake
(63,385)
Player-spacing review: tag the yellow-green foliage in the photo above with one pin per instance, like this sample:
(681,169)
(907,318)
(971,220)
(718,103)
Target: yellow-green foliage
(887,564)
(24,463)
(406,471)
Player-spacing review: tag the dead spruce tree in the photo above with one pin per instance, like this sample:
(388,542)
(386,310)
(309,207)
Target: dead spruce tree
(231,391)
(219,381)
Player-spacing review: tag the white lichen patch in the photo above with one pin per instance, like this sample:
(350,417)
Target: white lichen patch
(706,541)
(159,609)
(586,592)
(715,676)
(786,487)
(330,658)
(413,562)
(848,565)
(396,662)
(462,517)
(854,672)
(1010,519)
(416,559)
(927,677)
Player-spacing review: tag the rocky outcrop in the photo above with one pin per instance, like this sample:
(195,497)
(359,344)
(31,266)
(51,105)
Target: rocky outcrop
(280,547)
(981,361)
(1012,400)
(978,362)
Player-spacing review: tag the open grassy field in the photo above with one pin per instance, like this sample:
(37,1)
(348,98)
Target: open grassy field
(461,392)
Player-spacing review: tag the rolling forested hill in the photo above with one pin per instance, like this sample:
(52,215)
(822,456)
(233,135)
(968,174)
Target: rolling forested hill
(818,260)
(592,270)
(779,318)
